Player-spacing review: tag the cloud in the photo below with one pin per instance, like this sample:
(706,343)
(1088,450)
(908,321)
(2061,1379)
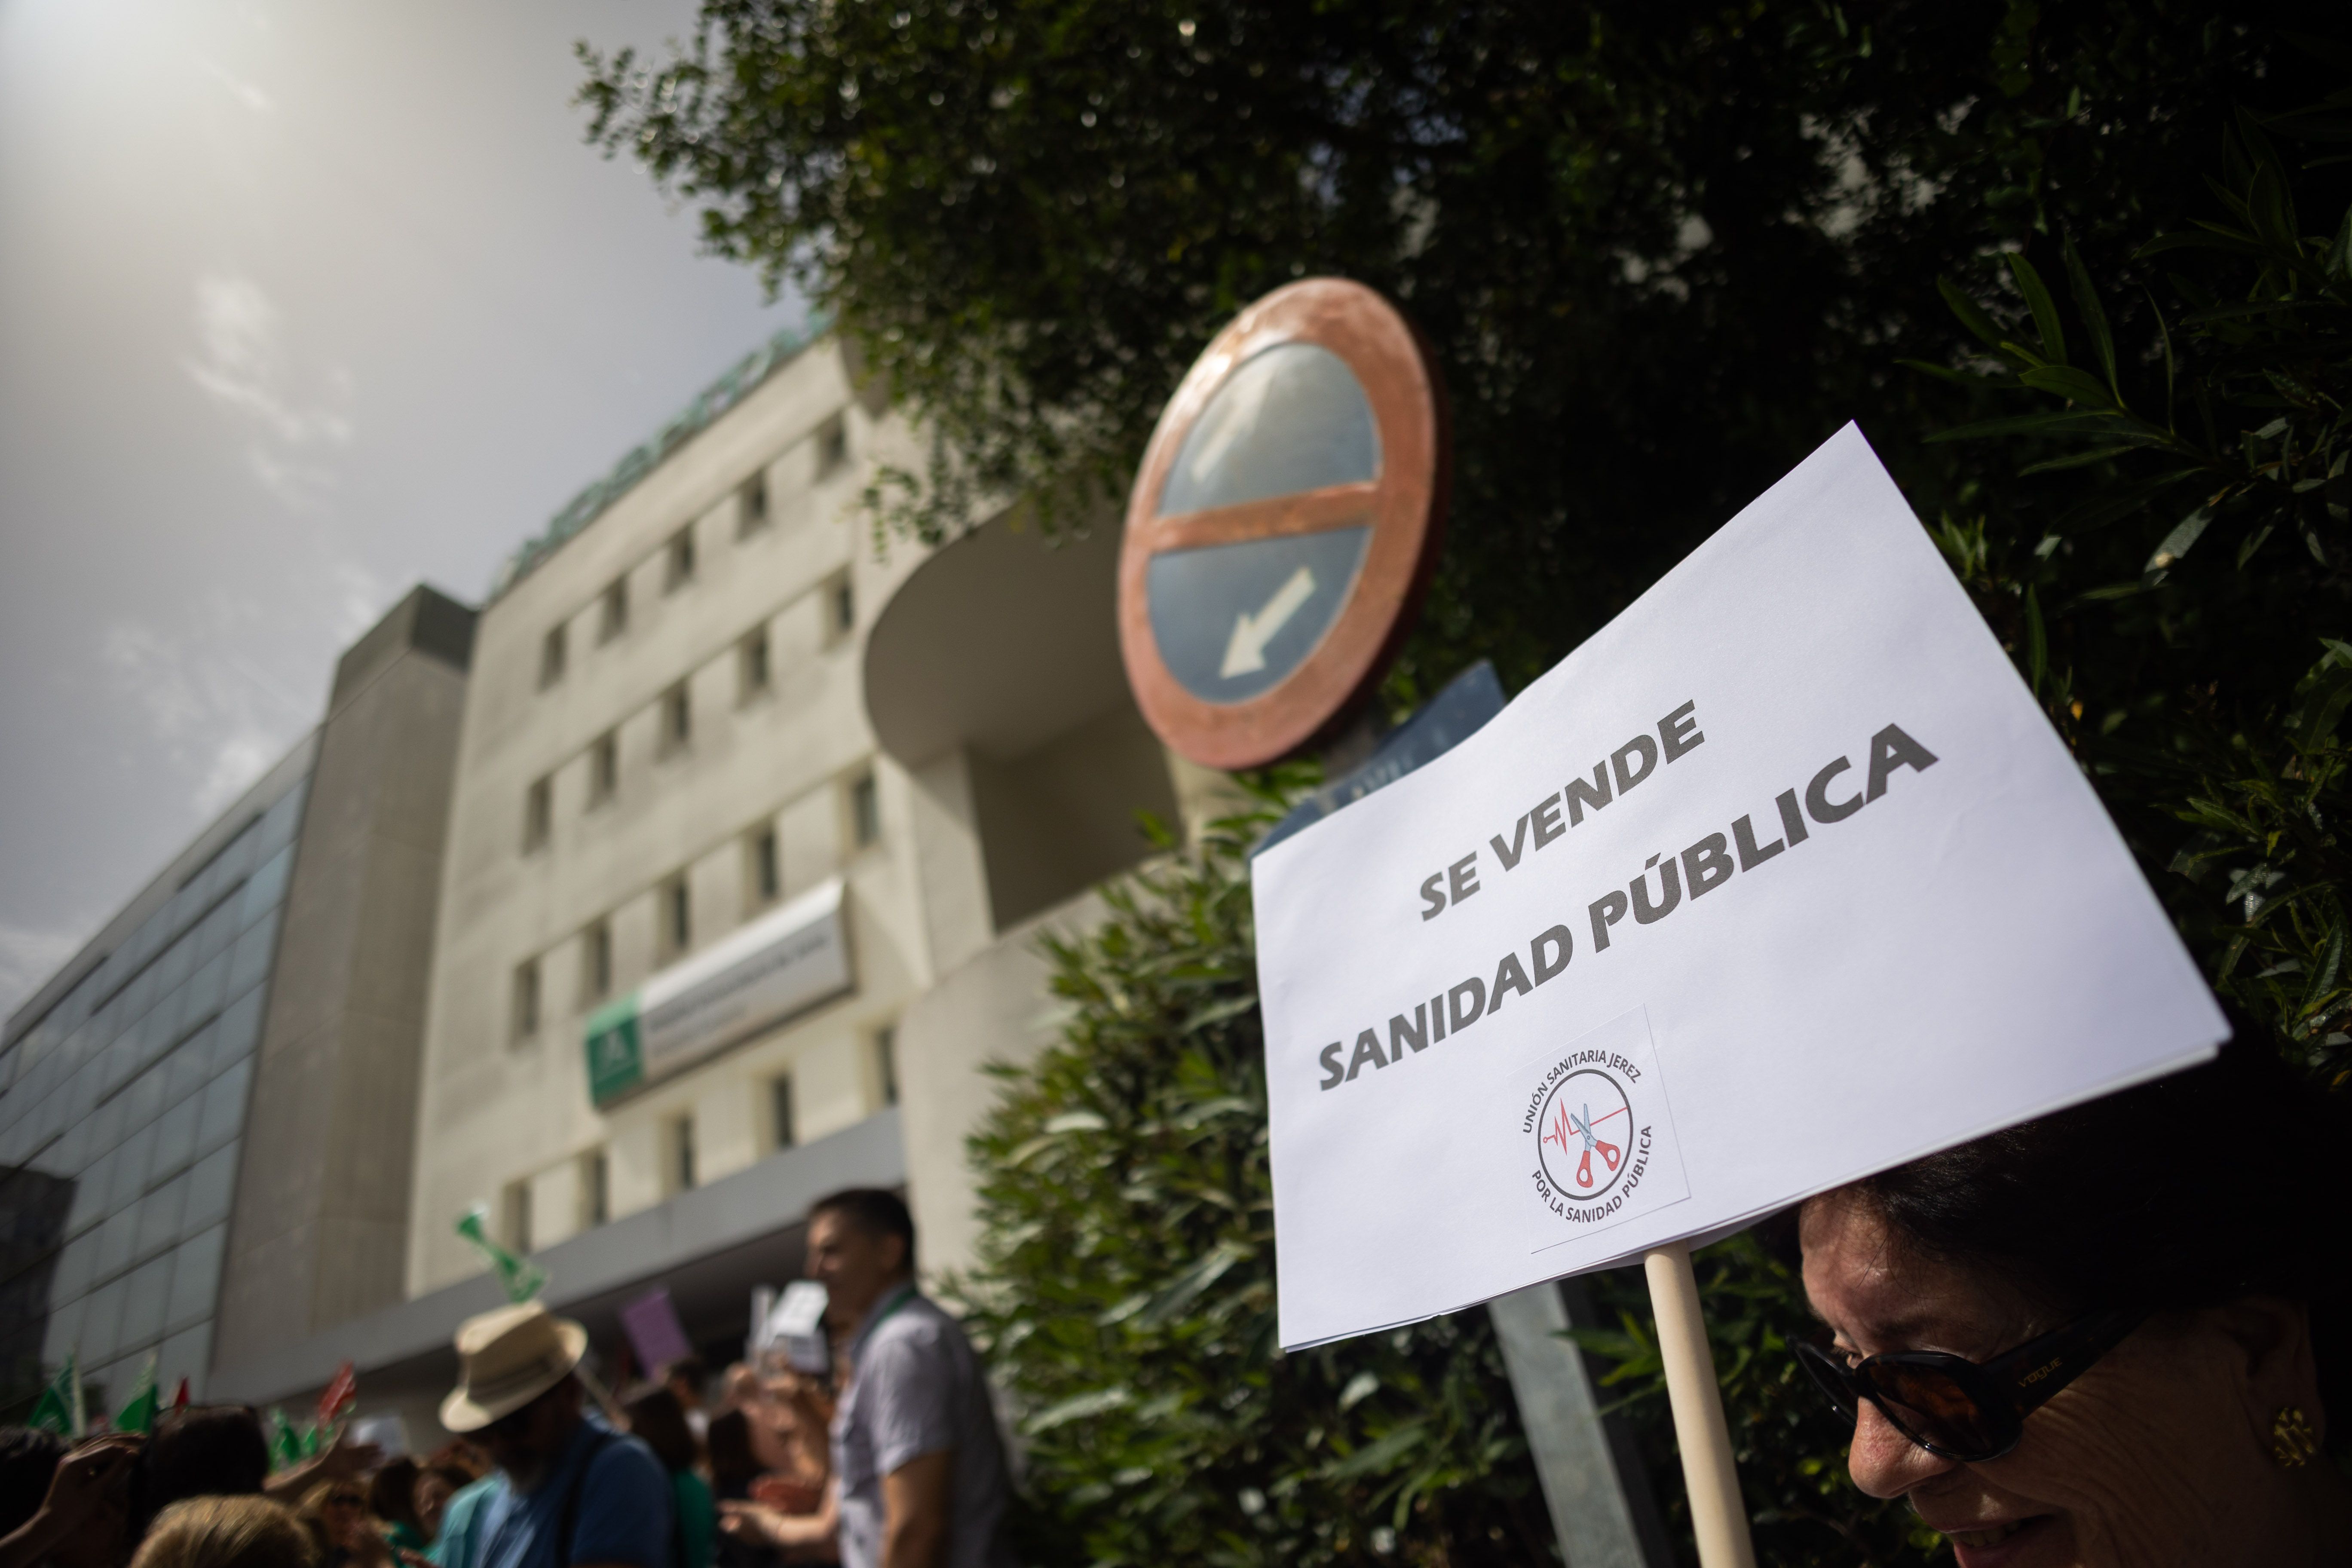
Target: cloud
(29,957)
(244,91)
(222,718)
(245,370)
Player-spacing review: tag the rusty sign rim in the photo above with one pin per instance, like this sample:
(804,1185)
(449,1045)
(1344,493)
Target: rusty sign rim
(1404,507)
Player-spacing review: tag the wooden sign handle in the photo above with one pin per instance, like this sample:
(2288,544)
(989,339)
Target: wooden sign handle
(1718,1515)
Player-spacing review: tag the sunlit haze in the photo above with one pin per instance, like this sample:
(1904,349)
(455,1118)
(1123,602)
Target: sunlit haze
(299,304)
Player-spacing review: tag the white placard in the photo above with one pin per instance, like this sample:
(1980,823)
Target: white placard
(1779,879)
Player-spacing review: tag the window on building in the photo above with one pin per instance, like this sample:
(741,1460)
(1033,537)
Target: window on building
(864,811)
(514,1217)
(752,505)
(604,767)
(596,960)
(752,671)
(677,915)
(614,619)
(832,447)
(677,568)
(551,652)
(840,609)
(595,1189)
(766,866)
(538,814)
(886,1062)
(681,1153)
(779,1111)
(526,999)
(677,718)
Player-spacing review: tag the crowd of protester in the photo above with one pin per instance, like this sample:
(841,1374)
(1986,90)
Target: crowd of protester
(890,1460)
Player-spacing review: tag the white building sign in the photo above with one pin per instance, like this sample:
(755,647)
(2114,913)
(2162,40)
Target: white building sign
(784,962)
(1781,880)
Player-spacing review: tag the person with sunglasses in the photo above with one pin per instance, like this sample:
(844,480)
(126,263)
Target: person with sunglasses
(2110,1337)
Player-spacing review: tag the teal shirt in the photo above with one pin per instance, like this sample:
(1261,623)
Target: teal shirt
(698,1518)
(456,1546)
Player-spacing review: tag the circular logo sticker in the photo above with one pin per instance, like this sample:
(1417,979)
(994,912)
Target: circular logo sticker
(1584,1136)
(1284,524)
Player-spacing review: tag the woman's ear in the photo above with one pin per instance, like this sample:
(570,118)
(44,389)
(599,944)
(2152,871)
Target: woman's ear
(2273,1337)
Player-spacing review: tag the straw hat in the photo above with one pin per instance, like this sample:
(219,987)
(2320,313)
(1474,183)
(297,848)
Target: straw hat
(506,1360)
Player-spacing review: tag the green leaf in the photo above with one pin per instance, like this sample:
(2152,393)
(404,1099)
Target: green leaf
(1076,1408)
(2080,421)
(2037,300)
(2076,386)
(1187,1286)
(1374,1458)
(2339,250)
(1972,316)
(2095,317)
(2185,533)
(2037,643)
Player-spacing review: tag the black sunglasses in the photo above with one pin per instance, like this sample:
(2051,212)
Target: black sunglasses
(1958,1408)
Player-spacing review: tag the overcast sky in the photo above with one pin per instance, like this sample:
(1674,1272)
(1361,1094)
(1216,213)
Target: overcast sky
(302,301)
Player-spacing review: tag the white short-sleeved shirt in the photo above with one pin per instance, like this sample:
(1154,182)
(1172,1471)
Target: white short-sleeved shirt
(915,1388)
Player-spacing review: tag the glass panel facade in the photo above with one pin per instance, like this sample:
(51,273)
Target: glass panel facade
(133,1089)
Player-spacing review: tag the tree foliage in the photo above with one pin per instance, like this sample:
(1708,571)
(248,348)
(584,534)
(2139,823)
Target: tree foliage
(1124,1292)
(1663,250)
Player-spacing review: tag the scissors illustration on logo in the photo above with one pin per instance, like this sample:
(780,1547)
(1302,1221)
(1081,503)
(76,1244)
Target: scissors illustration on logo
(1570,1132)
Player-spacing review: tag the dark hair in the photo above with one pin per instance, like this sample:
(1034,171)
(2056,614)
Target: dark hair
(656,1417)
(733,1463)
(874,1211)
(204,1450)
(28,1458)
(2188,1192)
(691,1369)
(392,1494)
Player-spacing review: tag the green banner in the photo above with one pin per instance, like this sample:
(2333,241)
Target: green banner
(616,1054)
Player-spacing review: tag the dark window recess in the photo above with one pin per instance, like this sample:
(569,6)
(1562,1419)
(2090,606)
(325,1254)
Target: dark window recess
(526,1000)
(678,915)
(767,870)
(756,671)
(885,1061)
(864,811)
(679,570)
(604,768)
(832,447)
(780,1111)
(552,654)
(752,504)
(538,814)
(614,619)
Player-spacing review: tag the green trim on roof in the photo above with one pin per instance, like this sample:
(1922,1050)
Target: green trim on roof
(715,399)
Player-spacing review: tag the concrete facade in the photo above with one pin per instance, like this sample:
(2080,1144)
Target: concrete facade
(730,586)
(709,689)
(320,1220)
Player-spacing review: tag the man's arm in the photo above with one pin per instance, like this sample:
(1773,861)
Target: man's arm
(914,1510)
(89,1481)
(801,1537)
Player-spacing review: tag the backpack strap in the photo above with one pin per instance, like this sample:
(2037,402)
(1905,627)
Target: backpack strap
(568,1519)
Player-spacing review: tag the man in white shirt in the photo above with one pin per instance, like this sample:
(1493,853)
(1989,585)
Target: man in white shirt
(919,1478)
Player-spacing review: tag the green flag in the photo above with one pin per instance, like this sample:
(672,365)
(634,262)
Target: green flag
(285,1447)
(59,1408)
(138,1416)
(520,1277)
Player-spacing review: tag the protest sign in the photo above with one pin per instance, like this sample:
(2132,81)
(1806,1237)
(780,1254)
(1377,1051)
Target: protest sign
(1781,880)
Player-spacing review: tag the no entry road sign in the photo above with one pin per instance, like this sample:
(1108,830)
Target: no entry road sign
(1284,524)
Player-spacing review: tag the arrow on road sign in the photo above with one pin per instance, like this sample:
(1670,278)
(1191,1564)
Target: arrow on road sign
(1245,654)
